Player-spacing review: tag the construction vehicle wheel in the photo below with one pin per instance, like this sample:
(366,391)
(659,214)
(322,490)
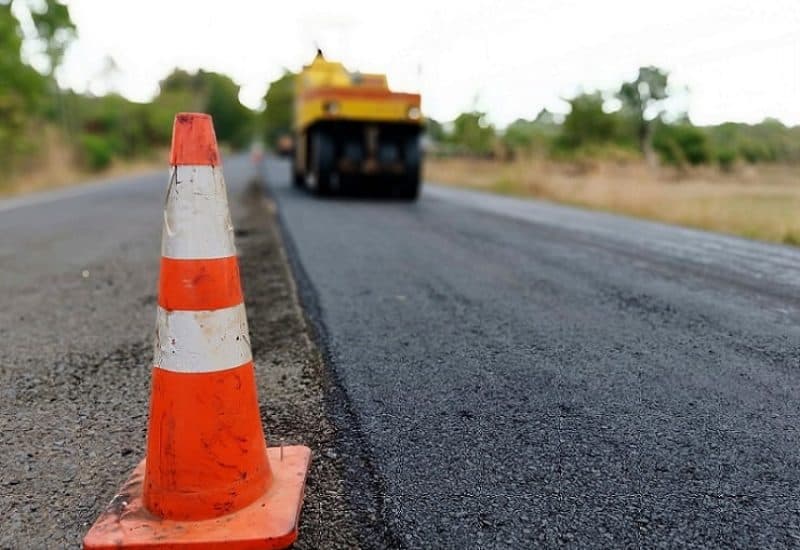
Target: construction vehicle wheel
(409,188)
(318,178)
(297,179)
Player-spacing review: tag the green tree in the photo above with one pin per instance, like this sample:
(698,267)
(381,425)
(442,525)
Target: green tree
(435,130)
(279,112)
(531,135)
(519,134)
(54,29)
(588,123)
(233,122)
(683,144)
(180,81)
(24,91)
(643,100)
(472,132)
(768,141)
(213,93)
(19,79)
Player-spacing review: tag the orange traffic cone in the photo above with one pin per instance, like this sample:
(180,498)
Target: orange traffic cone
(209,480)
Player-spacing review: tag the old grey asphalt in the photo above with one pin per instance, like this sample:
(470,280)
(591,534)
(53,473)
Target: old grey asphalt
(518,374)
(78,277)
(78,272)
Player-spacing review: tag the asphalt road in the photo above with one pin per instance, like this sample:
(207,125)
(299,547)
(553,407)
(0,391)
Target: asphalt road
(78,270)
(499,373)
(78,278)
(514,374)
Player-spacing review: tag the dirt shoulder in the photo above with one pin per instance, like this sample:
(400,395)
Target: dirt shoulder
(753,201)
(58,169)
(291,373)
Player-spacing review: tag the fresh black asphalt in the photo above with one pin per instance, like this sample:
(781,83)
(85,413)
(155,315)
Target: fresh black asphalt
(517,374)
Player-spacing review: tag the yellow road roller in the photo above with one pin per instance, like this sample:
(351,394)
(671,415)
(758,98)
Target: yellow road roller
(350,129)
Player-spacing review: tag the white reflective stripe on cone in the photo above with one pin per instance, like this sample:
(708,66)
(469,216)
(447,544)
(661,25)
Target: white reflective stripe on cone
(202,341)
(197,223)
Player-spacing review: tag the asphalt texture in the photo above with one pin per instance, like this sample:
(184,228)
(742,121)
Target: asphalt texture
(78,279)
(515,374)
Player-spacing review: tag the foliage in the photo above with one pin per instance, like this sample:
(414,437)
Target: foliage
(233,122)
(683,144)
(212,93)
(643,101)
(596,127)
(532,135)
(127,129)
(54,29)
(279,112)
(472,132)
(435,130)
(767,141)
(108,127)
(726,159)
(23,92)
(588,123)
(96,151)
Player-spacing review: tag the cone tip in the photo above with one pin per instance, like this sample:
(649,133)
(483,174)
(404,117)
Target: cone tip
(193,140)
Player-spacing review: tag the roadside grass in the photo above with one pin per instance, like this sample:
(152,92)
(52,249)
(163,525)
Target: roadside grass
(758,202)
(56,166)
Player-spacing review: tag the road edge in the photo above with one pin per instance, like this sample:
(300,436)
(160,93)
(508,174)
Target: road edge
(366,499)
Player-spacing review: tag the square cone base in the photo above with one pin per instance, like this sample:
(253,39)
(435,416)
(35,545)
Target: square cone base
(269,522)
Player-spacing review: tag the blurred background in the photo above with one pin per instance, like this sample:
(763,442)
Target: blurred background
(686,113)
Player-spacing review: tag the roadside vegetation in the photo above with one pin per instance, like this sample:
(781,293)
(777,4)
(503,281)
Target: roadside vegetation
(50,136)
(755,201)
(623,151)
(637,121)
(627,150)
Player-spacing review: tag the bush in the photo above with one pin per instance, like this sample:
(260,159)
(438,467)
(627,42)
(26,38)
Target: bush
(96,151)
(726,159)
(767,141)
(531,135)
(472,132)
(754,152)
(682,144)
(587,123)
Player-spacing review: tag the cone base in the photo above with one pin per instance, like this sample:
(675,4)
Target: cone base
(268,523)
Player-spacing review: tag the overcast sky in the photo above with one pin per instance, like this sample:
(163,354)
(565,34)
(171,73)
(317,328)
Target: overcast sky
(740,59)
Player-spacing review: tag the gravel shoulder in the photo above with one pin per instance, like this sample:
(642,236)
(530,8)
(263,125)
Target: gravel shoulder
(291,374)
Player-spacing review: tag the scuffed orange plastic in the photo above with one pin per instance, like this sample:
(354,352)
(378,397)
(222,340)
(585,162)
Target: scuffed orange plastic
(197,285)
(194,141)
(269,523)
(206,454)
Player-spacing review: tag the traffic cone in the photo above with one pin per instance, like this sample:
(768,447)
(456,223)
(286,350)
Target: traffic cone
(208,480)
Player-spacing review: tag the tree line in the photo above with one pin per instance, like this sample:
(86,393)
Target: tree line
(630,121)
(96,129)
